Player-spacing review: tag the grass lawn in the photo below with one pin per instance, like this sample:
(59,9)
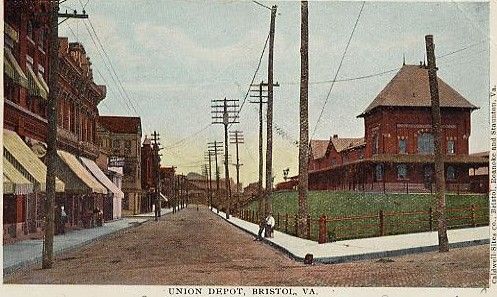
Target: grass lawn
(348,204)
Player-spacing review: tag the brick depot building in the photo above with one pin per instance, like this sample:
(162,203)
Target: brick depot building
(396,152)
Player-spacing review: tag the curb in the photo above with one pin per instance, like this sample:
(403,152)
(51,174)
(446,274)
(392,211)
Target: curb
(366,256)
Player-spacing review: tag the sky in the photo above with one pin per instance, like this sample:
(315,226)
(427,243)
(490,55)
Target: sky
(173,57)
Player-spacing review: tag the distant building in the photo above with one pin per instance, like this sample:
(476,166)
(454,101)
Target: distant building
(147,175)
(168,182)
(396,153)
(124,134)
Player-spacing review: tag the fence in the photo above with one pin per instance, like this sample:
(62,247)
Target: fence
(326,229)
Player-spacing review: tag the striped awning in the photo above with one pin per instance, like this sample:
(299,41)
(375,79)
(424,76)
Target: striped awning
(13,181)
(80,171)
(25,161)
(12,68)
(102,178)
(35,86)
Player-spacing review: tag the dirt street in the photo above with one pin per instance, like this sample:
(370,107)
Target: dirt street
(200,248)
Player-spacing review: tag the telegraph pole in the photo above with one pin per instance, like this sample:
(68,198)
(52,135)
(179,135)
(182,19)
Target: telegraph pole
(304,121)
(260,92)
(269,137)
(155,139)
(236,138)
(208,156)
(443,241)
(215,149)
(226,114)
(51,157)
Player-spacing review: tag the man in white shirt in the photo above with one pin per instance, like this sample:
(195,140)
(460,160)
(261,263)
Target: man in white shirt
(269,225)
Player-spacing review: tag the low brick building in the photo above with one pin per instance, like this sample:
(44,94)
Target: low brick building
(396,152)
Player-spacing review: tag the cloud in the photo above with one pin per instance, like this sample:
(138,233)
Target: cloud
(175,43)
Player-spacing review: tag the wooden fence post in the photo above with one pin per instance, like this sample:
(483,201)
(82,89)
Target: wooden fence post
(431,218)
(286,223)
(473,218)
(323,232)
(382,222)
(308,227)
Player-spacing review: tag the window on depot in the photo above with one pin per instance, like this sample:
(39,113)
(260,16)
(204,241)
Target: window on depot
(376,144)
(378,172)
(402,146)
(451,147)
(401,171)
(425,143)
(451,173)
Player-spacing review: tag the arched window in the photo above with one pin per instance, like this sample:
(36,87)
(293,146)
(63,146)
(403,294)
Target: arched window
(425,143)
(451,173)
(451,147)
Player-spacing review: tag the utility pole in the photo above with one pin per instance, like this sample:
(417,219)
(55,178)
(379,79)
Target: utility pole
(236,138)
(261,204)
(51,157)
(205,172)
(443,241)
(156,169)
(304,121)
(208,173)
(269,137)
(215,149)
(260,91)
(226,114)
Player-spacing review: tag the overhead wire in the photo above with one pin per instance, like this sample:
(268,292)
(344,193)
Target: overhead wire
(258,3)
(253,78)
(338,69)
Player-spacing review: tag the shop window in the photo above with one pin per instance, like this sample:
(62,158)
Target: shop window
(451,173)
(451,147)
(378,172)
(401,171)
(425,143)
(402,146)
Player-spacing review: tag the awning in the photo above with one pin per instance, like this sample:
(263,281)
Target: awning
(8,185)
(35,86)
(98,174)
(25,161)
(79,170)
(16,182)
(12,68)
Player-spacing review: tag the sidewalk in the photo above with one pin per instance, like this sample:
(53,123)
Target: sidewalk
(163,211)
(27,252)
(366,248)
